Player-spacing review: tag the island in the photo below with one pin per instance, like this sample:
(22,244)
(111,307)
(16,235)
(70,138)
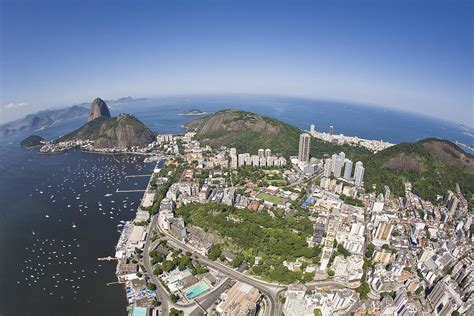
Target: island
(193,112)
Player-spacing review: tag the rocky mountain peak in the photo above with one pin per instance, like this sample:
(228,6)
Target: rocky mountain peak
(98,108)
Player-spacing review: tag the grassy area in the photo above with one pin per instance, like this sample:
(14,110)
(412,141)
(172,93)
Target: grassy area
(271,198)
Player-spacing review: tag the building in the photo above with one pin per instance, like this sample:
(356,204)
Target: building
(347,169)
(240,299)
(304,148)
(327,167)
(331,130)
(268,152)
(359,174)
(311,128)
(261,153)
(339,163)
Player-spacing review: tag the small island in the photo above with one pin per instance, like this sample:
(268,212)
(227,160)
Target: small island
(193,112)
(32,141)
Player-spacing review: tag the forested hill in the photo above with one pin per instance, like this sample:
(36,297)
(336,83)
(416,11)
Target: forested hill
(432,165)
(246,131)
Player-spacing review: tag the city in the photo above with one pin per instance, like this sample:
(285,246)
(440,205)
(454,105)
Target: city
(378,253)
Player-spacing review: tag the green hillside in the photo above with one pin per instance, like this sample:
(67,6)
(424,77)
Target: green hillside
(121,131)
(31,141)
(247,132)
(432,165)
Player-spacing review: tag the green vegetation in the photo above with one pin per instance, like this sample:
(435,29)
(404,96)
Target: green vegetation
(151,286)
(363,290)
(175,312)
(255,234)
(271,198)
(370,250)
(432,166)
(164,187)
(31,141)
(341,251)
(112,131)
(430,172)
(351,200)
(215,252)
(317,312)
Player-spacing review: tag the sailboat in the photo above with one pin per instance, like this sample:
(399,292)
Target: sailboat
(73,225)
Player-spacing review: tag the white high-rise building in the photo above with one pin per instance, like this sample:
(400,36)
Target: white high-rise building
(347,169)
(303,152)
(333,162)
(359,173)
(311,128)
(338,167)
(261,153)
(342,155)
(268,152)
(327,167)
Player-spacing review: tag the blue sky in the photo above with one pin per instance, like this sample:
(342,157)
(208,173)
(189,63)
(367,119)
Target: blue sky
(410,55)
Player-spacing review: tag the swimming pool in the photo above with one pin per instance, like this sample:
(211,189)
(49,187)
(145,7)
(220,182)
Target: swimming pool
(196,290)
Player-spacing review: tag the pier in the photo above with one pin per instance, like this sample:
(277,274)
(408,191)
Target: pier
(138,175)
(109,258)
(128,191)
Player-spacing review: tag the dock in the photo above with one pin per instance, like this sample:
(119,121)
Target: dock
(128,191)
(109,258)
(138,175)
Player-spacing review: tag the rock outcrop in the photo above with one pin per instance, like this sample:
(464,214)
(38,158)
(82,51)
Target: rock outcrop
(98,109)
(121,132)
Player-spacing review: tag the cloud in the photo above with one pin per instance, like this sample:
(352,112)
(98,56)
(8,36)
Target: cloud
(14,105)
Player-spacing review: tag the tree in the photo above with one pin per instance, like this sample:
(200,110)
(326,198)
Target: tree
(215,252)
(173,298)
(370,250)
(175,312)
(158,271)
(331,273)
(151,286)
(168,265)
(363,290)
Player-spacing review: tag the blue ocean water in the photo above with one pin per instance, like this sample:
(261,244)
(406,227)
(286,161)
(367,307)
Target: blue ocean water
(82,180)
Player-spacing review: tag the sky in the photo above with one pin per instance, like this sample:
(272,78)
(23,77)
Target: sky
(409,55)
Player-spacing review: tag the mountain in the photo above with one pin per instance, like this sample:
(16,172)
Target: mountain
(42,119)
(246,131)
(433,166)
(98,109)
(111,132)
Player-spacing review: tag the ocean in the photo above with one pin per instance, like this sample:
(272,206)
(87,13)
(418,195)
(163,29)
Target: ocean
(59,213)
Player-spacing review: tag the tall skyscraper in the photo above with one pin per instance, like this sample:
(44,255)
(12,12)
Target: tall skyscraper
(342,156)
(261,153)
(303,153)
(327,167)
(331,130)
(347,169)
(268,152)
(338,167)
(333,162)
(311,128)
(359,173)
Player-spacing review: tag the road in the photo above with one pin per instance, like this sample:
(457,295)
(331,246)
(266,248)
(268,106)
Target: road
(160,291)
(269,290)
